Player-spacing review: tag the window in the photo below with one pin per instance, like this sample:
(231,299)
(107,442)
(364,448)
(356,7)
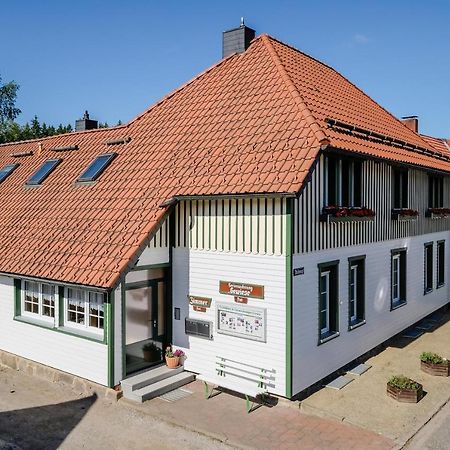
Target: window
(328,301)
(400,191)
(428,267)
(7,170)
(43,172)
(440,263)
(398,278)
(435,191)
(356,291)
(84,309)
(342,181)
(96,167)
(38,300)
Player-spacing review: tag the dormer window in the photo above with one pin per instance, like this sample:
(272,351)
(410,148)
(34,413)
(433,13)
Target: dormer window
(342,181)
(43,172)
(96,167)
(7,170)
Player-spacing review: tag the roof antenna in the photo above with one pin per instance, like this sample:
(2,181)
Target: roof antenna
(242,22)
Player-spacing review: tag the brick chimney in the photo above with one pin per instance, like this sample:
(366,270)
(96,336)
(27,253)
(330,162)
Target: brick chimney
(237,40)
(412,122)
(85,123)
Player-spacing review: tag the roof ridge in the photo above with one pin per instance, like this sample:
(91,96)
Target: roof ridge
(348,80)
(302,107)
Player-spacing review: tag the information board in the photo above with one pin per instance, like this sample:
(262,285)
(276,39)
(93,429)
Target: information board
(242,321)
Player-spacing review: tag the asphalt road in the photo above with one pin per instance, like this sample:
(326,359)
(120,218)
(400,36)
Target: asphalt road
(435,435)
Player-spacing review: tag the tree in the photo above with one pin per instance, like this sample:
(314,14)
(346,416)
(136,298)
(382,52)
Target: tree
(8,110)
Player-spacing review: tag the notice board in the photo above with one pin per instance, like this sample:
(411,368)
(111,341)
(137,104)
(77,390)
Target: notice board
(242,321)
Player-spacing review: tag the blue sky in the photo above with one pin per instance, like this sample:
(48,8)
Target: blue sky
(116,58)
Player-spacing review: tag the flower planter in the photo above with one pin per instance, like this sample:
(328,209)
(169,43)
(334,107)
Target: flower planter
(437,213)
(405,395)
(346,214)
(404,214)
(172,362)
(438,370)
(334,219)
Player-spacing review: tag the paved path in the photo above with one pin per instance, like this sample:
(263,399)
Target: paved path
(435,435)
(279,427)
(36,414)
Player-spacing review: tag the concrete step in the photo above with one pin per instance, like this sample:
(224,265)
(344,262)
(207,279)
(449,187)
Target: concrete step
(160,387)
(148,377)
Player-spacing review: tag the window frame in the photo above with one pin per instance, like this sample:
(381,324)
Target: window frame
(7,173)
(83,179)
(352,189)
(440,283)
(86,327)
(56,162)
(39,315)
(435,191)
(358,319)
(403,184)
(428,264)
(400,255)
(331,270)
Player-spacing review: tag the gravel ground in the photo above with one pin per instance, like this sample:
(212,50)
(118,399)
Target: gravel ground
(36,414)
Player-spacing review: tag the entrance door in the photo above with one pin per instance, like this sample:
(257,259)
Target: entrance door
(145,324)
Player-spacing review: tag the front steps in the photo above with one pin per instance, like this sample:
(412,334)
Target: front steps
(154,382)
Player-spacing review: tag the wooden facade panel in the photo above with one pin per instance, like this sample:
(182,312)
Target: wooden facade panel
(311,235)
(244,225)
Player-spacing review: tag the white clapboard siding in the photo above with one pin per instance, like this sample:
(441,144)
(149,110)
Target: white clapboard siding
(311,235)
(198,272)
(241,225)
(312,362)
(75,355)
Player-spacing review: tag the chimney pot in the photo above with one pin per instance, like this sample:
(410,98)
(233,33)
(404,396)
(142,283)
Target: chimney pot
(237,40)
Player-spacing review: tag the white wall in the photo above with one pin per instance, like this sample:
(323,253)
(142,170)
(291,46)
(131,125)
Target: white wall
(312,362)
(198,272)
(78,356)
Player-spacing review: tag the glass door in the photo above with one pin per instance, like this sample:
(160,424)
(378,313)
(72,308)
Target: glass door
(145,325)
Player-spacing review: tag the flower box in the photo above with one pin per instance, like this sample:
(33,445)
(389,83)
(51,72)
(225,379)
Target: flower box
(405,395)
(437,370)
(347,214)
(438,213)
(404,214)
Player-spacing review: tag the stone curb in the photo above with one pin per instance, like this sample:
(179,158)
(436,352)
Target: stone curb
(38,370)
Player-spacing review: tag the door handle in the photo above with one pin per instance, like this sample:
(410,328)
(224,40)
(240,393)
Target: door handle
(154,323)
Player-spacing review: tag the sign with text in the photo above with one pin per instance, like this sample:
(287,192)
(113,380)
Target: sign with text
(299,271)
(241,289)
(242,321)
(199,303)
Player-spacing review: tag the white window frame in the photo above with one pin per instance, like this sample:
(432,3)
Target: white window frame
(325,274)
(39,315)
(396,281)
(354,292)
(86,325)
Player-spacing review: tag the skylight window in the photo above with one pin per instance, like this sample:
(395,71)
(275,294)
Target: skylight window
(7,170)
(96,167)
(43,172)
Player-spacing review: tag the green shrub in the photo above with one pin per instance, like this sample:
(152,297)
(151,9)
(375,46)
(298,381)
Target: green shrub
(432,358)
(402,382)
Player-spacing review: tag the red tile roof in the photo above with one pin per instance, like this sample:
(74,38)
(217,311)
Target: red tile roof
(253,123)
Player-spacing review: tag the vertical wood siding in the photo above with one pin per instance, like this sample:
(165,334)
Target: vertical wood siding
(310,234)
(244,225)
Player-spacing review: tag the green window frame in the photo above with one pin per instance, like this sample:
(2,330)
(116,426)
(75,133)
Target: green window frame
(328,301)
(398,277)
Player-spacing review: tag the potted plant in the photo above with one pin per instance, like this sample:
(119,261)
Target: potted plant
(346,214)
(403,389)
(404,214)
(151,352)
(173,357)
(434,364)
(438,213)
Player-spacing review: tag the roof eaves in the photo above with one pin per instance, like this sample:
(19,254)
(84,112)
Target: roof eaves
(302,107)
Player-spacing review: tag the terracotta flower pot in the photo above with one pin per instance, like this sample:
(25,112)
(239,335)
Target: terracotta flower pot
(173,363)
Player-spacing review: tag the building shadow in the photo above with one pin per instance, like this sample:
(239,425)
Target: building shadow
(43,427)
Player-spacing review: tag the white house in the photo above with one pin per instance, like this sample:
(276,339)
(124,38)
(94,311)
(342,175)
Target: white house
(268,214)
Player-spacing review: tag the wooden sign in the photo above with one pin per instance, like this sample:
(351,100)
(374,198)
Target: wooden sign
(241,289)
(199,303)
(243,300)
